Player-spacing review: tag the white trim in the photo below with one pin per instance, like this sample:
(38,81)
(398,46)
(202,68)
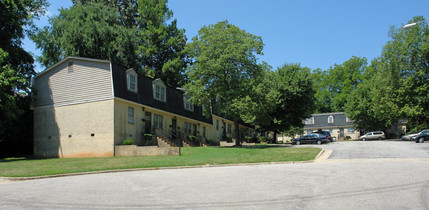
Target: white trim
(159,110)
(70,58)
(73,103)
(129,73)
(331,117)
(329,113)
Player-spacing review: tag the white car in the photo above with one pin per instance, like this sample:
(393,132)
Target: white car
(376,135)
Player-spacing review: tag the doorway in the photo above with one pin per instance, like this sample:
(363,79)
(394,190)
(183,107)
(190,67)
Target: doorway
(148,122)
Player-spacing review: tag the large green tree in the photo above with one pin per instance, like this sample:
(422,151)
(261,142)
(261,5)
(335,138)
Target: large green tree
(334,85)
(225,68)
(127,9)
(282,101)
(397,83)
(16,71)
(161,44)
(92,30)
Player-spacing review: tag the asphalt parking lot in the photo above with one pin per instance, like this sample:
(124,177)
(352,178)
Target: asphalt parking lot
(374,149)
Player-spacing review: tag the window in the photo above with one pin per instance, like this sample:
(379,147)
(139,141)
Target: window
(229,128)
(159,92)
(309,121)
(188,105)
(217,124)
(195,129)
(157,121)
(330,131)
(350,130)
(187,127)
(132,80)
(331,119)
(309,131)
(130,115)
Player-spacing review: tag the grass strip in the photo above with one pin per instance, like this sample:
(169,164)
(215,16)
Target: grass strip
(191,156)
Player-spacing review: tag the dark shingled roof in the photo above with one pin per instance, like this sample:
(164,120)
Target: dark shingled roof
(321,121)
(144,95)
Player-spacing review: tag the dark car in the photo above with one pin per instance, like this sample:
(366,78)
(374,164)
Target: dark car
(311,138)
(325,133)
(409,136)
(421,138)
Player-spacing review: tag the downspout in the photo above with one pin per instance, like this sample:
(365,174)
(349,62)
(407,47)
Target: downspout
(113,98)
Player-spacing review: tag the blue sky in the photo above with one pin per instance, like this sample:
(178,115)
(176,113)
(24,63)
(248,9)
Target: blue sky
(316,34)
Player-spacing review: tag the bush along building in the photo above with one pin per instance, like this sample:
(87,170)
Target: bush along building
(87,108)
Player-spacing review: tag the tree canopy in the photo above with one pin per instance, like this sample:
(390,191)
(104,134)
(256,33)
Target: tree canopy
(161,44)
(397,83)
(334,85)
(225,68)
(16,71)
(282,100)
(91,30)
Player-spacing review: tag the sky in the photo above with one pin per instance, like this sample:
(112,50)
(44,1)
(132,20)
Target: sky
(314,33)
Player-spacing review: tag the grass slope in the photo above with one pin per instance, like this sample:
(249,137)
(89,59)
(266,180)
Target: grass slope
(22,167)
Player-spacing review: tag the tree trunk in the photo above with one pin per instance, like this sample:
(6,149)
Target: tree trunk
(237,134)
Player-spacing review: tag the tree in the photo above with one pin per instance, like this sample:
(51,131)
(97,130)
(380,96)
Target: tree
(225,68)
(91,30)
(161,45)
(127,9)
(323,97)
(396,84)
(372,104)
(16,71)
(334,86)
(282,101)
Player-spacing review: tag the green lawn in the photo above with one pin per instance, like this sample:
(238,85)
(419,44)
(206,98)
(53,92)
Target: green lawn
(22,167)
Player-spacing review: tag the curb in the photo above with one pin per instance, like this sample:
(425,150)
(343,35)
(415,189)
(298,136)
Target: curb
(16,179)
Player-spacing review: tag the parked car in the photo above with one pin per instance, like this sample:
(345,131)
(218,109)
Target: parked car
(325,133)
(311,138)
(421,138)
(375,135)
(408,137)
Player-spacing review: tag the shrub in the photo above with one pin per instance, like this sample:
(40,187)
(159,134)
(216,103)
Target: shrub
(212,142)
(247,139)
(194,140)
(128,142)
(147,136)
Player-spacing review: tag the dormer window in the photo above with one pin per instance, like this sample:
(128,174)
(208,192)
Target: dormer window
(188,105)
(159,90)
(132,80)
(331,119)
(348,119)
(309,121)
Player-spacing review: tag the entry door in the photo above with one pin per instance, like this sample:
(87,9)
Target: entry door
(148,122)
(174,128)
(341,133)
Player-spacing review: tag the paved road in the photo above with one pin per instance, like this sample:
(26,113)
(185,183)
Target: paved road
(371,183)
(376,149)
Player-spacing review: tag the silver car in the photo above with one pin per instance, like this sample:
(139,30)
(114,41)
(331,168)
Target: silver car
(376,135)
